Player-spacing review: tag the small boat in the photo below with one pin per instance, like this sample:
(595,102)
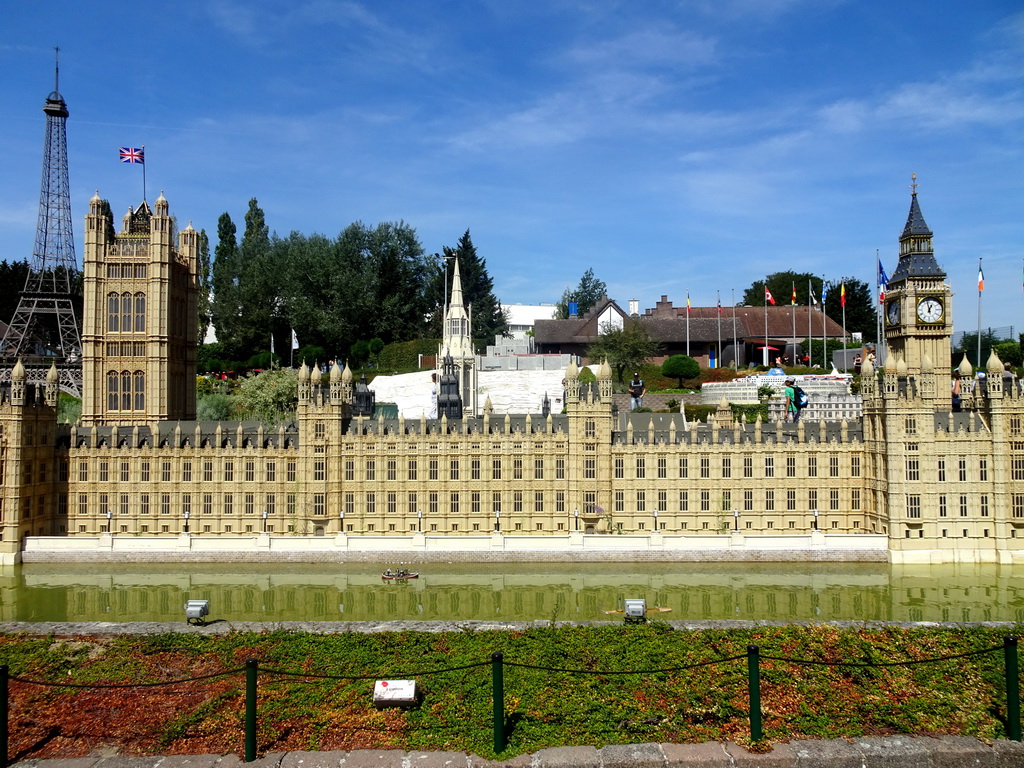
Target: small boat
(400,575)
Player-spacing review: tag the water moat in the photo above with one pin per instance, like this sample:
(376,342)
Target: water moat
(520,592)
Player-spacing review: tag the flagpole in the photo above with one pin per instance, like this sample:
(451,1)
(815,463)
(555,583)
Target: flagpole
(766,323)
(842,301)
(792,308)
(810,347)
(981,287)
(687,323)
(718,360)
(735,342)
(824,344)
(143,173)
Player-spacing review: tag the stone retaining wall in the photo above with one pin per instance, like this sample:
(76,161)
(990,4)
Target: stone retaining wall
(866,752)
(457,556)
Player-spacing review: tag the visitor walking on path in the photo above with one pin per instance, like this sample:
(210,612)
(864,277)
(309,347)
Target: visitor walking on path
(637,390)
(792,409)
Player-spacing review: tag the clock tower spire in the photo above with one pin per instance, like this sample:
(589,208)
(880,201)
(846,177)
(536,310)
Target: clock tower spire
(918,316)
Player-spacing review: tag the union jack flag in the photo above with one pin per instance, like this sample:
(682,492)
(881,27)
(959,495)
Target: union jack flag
(133,155)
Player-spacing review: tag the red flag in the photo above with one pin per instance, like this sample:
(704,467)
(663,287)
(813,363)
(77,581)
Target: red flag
(768,296)
(793,300)
(842,295)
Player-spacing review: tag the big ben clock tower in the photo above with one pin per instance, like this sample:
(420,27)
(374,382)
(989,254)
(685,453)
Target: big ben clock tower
(918,313)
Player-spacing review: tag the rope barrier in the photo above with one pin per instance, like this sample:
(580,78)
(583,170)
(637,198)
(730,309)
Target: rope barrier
(46,684)
(908,663)
(497,663)
(627,672)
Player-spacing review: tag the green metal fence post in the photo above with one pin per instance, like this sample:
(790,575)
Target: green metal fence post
(754,684)
(498,691)
(1012,688)
(251,668)
(4,676)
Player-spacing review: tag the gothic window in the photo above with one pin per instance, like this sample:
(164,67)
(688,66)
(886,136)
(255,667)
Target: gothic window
(126,391)
(140,312)
(113,313)
(914,506)
(126,312)
(113,387)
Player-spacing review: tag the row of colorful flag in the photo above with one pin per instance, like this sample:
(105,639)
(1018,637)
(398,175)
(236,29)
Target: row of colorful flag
(769,299)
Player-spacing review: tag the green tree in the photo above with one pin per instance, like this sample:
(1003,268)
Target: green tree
(1009,352)
(13,275)
(680,367)
(204,279)
(625,347)
(269,395)
(365,283)
(258,281)
(968,344)
(587,293)
(226,307)
(106,211)
(488,317)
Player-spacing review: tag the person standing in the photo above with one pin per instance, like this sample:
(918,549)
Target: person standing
(637,390)
(957,391)
(792,409)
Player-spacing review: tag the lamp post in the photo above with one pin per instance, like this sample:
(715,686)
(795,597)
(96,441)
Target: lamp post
(110,527)
(576,514)
(264,521)
(186,521)
(655,520)
(815,519)
(497,521)
(341,521)
(419,521)
(736,517)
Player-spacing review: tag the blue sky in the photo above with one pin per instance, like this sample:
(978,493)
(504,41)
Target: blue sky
(672,146)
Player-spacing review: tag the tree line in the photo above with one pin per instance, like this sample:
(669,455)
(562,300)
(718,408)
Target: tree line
(346,295)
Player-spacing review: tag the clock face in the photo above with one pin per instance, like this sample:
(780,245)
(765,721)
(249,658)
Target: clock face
(929,310)
(892,312)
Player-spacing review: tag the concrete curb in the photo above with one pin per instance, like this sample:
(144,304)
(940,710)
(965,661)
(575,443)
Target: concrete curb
(867,752)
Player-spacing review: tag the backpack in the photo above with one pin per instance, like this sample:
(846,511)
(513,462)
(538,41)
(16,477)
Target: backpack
(800,398)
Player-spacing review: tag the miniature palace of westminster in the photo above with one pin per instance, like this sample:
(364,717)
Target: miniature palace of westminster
(910,481)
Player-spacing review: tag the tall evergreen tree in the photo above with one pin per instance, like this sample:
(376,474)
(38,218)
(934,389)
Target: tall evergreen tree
(258,283)
(586,294)
(205,286)
(227,306)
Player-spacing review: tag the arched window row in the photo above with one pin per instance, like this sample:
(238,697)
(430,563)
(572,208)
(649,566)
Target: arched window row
(126,312)
(126,391)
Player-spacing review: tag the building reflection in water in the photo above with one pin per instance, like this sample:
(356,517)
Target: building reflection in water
(448,592)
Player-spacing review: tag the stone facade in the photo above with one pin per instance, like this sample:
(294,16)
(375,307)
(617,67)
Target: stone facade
(940,485)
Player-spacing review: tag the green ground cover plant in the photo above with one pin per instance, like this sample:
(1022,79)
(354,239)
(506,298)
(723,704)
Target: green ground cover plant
(564,685)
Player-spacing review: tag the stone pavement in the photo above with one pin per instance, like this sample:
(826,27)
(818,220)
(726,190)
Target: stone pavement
(868,752)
